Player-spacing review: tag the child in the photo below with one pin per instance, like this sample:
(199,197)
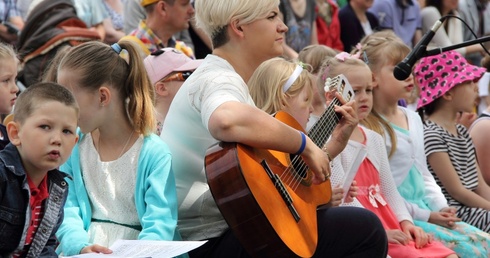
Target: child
(447,84)
(403,133)
(480,127)
(167,68)
(273,91)
(314,55)
(377,190)
(8,88)
(32,189)
(122,185)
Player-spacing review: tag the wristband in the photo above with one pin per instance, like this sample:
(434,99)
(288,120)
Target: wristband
(303,144)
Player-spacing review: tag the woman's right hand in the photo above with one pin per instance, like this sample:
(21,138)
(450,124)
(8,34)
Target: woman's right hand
(96,249)
(396,236)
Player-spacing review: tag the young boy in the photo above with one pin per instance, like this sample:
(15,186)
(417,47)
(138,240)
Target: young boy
(168,68)
(32,190)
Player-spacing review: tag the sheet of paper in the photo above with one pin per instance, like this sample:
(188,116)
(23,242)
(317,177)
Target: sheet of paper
(146,249)
(358,155)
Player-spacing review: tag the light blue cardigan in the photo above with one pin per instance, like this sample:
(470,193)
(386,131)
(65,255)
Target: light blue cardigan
(155,198)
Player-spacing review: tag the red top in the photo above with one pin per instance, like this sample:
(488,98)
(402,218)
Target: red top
(38,196)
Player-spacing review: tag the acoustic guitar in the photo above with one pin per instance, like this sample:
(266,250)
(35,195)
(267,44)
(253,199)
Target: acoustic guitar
(266,196)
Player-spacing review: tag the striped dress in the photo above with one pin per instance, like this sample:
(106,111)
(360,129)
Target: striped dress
(463,157)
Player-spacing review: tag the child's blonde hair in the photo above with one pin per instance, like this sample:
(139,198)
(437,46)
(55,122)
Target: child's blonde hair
(266,84)
(315,55)
(99,64)
(332,66)
(7,51)
(380,49)
(51,73)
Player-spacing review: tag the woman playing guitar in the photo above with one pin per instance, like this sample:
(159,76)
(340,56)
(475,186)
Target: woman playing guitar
(214,105)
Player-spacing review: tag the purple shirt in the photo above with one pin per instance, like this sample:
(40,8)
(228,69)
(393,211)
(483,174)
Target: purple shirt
(404,21)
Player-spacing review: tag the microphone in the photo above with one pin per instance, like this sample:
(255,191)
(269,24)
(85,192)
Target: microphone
(404,68)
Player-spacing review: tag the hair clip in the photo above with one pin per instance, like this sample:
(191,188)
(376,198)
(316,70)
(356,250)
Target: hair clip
(293,77)
(326,72)
(117,48)
(342,56)
(364,57)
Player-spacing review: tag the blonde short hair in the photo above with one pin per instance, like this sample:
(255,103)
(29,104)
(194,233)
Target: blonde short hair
(266,84)
(213,16)
(7,52)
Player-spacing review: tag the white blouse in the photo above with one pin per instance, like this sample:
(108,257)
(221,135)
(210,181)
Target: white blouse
(110,187)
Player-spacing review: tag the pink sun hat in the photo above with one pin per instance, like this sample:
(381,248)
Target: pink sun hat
(165,61)
(438,74)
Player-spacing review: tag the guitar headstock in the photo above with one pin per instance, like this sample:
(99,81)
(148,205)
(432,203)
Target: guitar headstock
(340,84)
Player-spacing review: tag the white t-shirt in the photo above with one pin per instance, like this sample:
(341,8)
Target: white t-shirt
(185,130)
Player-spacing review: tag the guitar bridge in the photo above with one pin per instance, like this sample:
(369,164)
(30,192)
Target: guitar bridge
(276,180)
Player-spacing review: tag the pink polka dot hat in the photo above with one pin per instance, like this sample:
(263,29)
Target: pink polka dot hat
(438,74)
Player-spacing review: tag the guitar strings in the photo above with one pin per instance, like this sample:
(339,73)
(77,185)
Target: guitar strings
(319,134)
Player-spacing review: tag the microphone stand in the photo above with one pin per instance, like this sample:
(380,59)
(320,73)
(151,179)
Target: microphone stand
(437,51)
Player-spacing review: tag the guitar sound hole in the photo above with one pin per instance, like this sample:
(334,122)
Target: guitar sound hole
(300,167)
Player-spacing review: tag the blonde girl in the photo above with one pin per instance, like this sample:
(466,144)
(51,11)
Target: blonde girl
(404,141)
(377,191)
(272,90)
(8,87)
(122,185)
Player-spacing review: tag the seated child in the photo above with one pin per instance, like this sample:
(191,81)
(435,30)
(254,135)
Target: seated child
(376,188)
(8,88)
(168,68)
(42,135)
(449,148)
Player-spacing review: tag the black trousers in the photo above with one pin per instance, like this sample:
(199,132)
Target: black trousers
(342,232)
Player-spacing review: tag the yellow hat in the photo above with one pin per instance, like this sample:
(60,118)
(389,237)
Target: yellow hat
(148,2)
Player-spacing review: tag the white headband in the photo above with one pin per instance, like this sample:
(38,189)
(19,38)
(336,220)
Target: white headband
(292,78)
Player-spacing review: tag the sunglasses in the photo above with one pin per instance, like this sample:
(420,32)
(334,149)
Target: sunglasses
(180,76)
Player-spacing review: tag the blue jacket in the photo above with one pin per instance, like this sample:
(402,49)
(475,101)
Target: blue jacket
(155,198)
(15,210)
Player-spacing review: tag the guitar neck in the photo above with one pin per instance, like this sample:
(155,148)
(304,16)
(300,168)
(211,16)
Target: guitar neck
(323,128)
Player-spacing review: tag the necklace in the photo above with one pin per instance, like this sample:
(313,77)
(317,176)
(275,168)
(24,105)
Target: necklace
(122,150)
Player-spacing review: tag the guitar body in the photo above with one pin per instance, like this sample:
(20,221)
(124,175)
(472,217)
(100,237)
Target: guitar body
(255,209)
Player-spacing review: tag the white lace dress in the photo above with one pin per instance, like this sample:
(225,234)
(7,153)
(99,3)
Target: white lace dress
(110,186)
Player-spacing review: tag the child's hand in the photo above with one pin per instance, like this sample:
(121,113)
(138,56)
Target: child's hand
(416,234)
(96,249)
(396,236)
(466,118)
(337,194)
(451,210)
(444,219)
(352,192)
